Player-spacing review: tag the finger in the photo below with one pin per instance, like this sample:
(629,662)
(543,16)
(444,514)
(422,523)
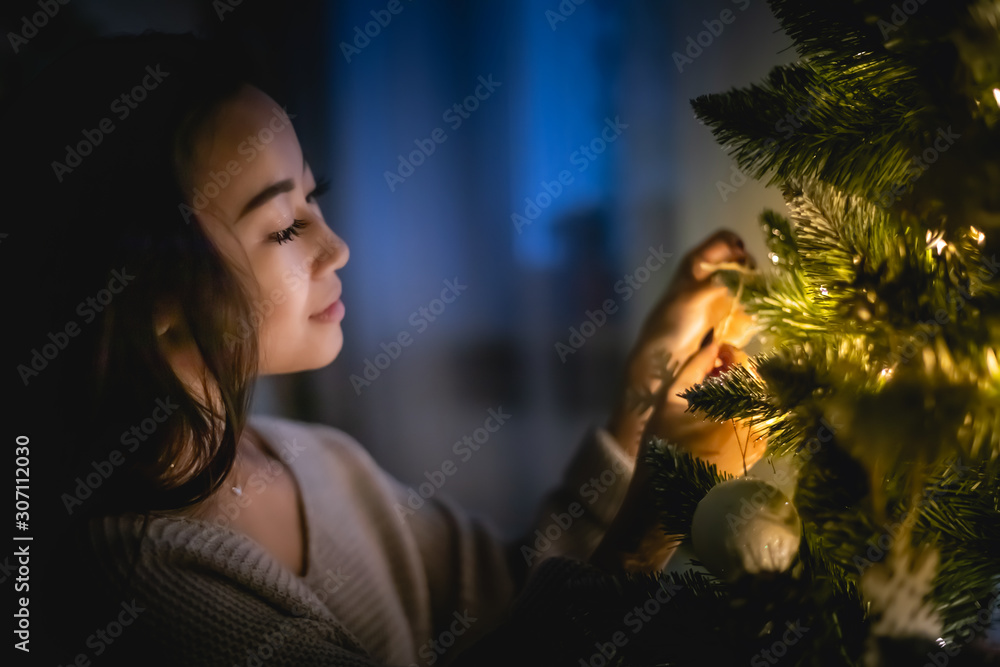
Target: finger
(694,303)
(686,323)
(680,309)
(732,446)
(693,371)
(722,246)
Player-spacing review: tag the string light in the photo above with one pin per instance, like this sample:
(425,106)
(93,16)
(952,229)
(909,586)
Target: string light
(996,95)
(991,362)
(977,235)
(936,239)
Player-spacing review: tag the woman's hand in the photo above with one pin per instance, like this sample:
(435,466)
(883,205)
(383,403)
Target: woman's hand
(695,331)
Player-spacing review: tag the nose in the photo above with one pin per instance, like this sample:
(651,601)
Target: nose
(332,253)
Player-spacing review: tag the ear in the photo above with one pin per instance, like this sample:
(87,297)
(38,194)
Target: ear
(166,316)
(175,342)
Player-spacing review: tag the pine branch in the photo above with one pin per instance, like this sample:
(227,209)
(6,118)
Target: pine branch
(800,124)
(834,231)
(827,27)
(779,303)
(961,515)
(735,394)
(679,481)
(780,239)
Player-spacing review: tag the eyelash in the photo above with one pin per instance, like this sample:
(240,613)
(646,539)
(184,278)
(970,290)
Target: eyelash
(322,186)
(290,232)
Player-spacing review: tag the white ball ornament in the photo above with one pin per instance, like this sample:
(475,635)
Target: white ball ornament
(745,526)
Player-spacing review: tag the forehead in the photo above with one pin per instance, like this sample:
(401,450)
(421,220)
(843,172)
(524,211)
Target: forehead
(248,144)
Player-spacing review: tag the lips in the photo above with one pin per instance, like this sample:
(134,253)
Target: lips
(334,312)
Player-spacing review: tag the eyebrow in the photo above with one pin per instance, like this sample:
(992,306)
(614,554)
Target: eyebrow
(270,192)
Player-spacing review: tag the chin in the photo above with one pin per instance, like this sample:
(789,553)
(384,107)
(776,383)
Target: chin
(312,356)
(322,358)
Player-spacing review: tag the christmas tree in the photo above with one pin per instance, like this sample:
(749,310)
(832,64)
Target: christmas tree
(878,387)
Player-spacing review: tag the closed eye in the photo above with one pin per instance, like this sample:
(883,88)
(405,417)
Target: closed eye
(288,233)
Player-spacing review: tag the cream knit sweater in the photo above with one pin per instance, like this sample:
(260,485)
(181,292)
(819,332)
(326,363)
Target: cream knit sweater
(383,586)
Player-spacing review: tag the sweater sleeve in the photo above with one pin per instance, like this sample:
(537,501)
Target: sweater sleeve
(576,514)
(474,576)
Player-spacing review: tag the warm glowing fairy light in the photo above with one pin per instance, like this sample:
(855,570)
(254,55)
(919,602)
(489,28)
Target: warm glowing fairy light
(996,95)
(977,235)
(936,239)
(991,362)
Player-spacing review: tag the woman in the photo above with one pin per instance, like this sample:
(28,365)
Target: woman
(175,250)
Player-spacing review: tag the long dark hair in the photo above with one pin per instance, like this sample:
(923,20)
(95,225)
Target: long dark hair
(101,231)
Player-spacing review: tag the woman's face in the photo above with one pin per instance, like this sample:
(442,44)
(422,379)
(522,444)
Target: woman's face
(254,195)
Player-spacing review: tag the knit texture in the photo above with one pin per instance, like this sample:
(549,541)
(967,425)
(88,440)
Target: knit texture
(383,585)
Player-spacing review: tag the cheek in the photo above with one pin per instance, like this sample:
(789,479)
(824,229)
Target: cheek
(284,289)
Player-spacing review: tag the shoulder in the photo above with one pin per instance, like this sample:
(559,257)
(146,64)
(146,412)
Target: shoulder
(287,436)
(301,443)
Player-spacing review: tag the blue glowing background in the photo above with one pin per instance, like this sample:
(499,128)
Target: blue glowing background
(559,79)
